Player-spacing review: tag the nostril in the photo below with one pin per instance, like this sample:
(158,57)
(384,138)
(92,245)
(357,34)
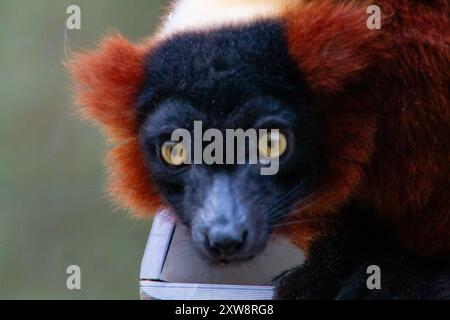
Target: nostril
(215,251)
(226,247)
(222,243)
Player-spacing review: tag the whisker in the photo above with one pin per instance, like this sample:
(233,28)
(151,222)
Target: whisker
(290,193)
(279,212)
(307,220)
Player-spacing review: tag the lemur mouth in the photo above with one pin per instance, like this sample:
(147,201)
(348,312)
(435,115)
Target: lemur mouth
(237,260)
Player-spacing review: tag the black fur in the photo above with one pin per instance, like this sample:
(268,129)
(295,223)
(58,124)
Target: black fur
(221,70)
(337,266)
(232,78)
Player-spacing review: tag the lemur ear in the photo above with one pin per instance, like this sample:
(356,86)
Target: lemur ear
(332,44)
(107,82)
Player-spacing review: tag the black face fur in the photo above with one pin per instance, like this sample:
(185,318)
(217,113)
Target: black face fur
(240,77)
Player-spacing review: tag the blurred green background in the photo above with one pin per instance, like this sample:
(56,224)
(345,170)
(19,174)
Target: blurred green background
(53,212)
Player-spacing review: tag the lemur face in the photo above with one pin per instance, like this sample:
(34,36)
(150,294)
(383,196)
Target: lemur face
(234,78)
(237,65)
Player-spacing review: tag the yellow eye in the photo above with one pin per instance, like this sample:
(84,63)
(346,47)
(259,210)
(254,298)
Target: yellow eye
(173,153)
(272,145)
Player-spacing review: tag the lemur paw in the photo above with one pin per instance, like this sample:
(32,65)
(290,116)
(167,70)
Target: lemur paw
(299,284)
(315,279)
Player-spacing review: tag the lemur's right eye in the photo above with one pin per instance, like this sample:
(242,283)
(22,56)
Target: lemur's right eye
(173,153)
(272,145)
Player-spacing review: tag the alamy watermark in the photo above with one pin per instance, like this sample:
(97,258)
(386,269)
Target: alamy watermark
(262,147)
(374,280)
(73,281)
(73,21)
(374,20)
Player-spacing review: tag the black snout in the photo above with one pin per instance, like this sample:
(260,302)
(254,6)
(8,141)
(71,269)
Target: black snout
(225,241)
(223,228)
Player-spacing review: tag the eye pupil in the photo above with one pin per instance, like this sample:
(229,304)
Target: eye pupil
(173,153)
(272,145)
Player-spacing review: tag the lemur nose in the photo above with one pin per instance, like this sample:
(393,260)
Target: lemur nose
(223,242)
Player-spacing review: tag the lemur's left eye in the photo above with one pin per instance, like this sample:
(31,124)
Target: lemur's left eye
(272,145)
(173,153)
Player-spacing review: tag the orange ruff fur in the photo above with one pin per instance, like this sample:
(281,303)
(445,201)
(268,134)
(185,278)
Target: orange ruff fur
(108,82)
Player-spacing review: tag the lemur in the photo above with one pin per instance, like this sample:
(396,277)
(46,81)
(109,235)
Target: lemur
(363,114)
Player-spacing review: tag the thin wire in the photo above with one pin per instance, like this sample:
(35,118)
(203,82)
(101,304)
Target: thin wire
(66,42)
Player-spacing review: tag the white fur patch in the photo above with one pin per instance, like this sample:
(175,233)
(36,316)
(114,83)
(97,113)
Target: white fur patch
(192,15)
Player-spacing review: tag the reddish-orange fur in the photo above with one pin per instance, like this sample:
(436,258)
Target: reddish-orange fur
(384,99)
(108,82)
(386,115)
